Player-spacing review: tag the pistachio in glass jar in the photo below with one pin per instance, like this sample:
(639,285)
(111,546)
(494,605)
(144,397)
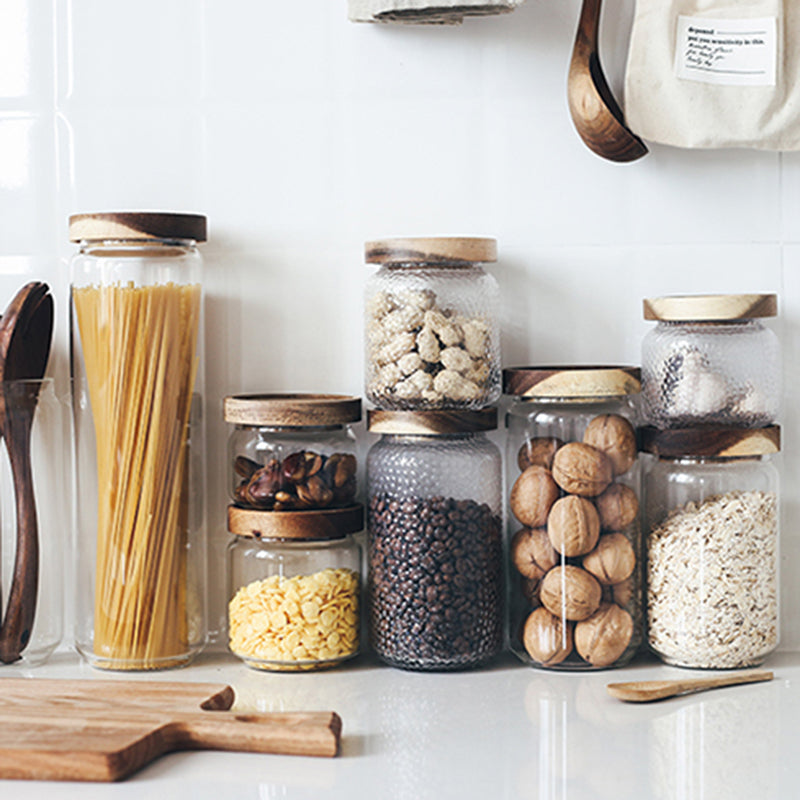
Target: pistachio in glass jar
(292,451)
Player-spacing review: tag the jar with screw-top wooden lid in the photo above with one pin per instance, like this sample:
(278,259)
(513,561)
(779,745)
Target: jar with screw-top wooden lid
(292,451)
(712,535)
(137,378)
(711,360)
(435,585)
(432,333)
(294,582)
(574,533)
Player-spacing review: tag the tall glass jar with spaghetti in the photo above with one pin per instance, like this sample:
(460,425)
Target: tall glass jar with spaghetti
(435,584)
(137,370)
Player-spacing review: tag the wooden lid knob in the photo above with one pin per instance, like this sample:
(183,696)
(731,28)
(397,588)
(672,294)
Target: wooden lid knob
(571,382)
(434,250)
(711,442)
(335,523)
(292,410)
(136,226)
(710,307)
(431,423)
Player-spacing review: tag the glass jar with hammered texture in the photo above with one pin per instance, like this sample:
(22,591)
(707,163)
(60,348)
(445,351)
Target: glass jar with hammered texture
(711,361)
(712,513)
(432,336)
(435,586)
(294,586)
(574,523)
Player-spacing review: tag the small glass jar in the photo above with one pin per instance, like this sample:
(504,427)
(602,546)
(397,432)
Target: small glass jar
(137,369)
(712,522)
(292,451)
(435,586)
(711,361)
(432,334)
(574,523)
(49,469)
(294,587)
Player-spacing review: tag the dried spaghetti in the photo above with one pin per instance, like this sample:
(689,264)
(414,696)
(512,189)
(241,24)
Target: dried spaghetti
(139,348)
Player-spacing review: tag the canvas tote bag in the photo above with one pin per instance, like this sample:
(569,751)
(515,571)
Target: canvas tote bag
(715,73)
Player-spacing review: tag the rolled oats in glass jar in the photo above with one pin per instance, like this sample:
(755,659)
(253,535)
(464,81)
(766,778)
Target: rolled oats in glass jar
(712,518)
(711,361)
(574,535)
(432,337)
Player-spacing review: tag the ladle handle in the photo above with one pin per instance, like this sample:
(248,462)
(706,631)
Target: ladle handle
(21,609)
(588,27)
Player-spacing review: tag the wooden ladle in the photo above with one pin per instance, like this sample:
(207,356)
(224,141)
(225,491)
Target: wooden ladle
(595,113)
(647,691)
(25,335)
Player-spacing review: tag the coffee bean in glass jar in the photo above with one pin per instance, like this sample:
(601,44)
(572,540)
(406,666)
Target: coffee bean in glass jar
(435,585)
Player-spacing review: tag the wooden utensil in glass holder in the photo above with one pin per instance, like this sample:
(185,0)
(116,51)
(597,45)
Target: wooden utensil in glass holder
(26,331)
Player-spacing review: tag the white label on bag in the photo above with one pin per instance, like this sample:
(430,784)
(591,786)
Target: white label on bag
(734,52)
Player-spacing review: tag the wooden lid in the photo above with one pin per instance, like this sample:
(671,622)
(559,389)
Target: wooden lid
(292,410)
(582,381)
(330,523)
(435,250)
(137,226)
(710,307)
(431,423)
(716,442)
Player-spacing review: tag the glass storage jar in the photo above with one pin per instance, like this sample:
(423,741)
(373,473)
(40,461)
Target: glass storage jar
(294,586)
(432,337)
(435,585)
(137,369)
(712,517)
(711,361)
(292,451)
(574,524)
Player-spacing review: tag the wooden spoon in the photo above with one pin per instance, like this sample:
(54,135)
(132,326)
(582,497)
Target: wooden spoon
(647,691)
(597,117)
(25,335)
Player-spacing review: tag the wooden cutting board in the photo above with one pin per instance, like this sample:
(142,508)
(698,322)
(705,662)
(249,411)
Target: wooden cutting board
(105,730)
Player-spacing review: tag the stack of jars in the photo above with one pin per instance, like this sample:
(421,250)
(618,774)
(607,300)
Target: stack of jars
(574,536)
(711,389)
(294,567)
(435,586)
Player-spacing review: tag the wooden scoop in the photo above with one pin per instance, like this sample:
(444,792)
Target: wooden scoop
(595,113)
(87,730)
(26,330)
(647,691)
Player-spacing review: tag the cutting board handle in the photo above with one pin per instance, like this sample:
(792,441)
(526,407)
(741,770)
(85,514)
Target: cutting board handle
(286,733)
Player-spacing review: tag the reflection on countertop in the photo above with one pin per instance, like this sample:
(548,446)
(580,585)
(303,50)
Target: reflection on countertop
(508,731)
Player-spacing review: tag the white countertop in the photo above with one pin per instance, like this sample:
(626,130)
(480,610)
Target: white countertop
(509,731)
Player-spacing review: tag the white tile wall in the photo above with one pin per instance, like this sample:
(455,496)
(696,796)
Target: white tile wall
(302,135)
